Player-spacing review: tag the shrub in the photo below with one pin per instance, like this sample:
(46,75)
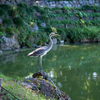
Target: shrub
(21,11)
(7,22)
(3,12)
(23,5)
(92,33)
(86,7)
(62,33)
(56,8)
(66,8)
(13,12)
(18,21)
(9,32)
(5,6)
(38,9)
(47,29)
(1,34)
(74,34)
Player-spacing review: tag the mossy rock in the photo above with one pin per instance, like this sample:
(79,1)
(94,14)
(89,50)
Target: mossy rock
(45,87)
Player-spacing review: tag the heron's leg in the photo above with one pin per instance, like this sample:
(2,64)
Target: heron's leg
(40,63)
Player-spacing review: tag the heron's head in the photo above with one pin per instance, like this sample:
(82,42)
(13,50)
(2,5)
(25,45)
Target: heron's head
(53,34)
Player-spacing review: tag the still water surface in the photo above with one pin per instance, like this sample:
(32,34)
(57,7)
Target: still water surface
(75,69)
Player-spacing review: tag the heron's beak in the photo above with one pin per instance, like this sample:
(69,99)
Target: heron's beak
(57,35)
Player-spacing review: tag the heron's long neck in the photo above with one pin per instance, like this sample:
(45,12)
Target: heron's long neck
(50,44)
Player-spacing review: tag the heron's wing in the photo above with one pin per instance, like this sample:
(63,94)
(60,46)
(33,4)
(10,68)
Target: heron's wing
(38,52)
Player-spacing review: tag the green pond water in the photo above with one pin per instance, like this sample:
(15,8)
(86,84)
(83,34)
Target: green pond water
(75,69)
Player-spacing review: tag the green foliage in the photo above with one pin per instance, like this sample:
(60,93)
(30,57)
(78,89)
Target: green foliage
(44,18)
(13,12)
(22,5)
(93,33)
(39,9)
(24,36)
(62,33)
(9,32)
(1,34)
(18,21)
(56,8)
(40,38)
(66,8)
(95,8)
(81,33)
(86,7)
(47,29)
(3,13)
(80,14)
(5,6)
(7,22)
(21,11)
(20,92)
(24,9)
(24,17)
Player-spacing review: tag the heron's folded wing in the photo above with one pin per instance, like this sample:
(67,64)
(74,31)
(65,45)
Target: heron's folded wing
(39,51)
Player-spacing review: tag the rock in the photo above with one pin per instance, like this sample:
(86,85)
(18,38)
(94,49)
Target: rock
(43,24)
(37,14)
(2,1)
(13,2)
(0,51)
(47,3)
(17,1)
(34,28)
(54,41)
(69,5)
(44,87)
(66,26)
(66,2)
(9,43)
(8,3)
(29,85)
(0,20)
(61,2)
(53,5)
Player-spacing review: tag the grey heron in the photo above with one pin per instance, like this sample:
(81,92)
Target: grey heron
(40,52)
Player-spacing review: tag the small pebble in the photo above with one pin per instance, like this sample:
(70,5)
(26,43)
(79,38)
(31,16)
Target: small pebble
(0,51)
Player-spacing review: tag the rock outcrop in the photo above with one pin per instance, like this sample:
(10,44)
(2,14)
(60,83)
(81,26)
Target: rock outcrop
(10,43)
